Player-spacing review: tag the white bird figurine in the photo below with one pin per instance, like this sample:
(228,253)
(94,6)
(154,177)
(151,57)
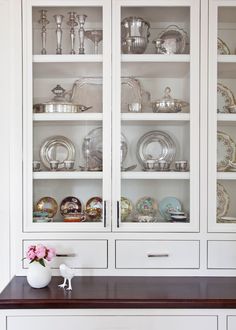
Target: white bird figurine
(68,274)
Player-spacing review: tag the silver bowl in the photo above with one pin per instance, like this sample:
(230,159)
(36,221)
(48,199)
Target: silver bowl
(134,45)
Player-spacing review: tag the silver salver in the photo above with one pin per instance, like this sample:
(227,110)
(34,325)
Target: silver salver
(156,145)
(57,148)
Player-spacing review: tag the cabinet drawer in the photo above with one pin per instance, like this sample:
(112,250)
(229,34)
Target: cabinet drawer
(113,322)
(157,254)
(221,254)
(75,253)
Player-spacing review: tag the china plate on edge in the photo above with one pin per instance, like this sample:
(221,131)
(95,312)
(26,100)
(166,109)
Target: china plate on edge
(94,208)
(47,204)
(225,98)
(146,206)
(174,40)
(226,151)
(70,204)
(169,204)
(57,148)
(222,48)
(126,208)
(157,145)
(223,201)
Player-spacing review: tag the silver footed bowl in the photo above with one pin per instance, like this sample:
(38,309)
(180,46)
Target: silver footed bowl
(134,45)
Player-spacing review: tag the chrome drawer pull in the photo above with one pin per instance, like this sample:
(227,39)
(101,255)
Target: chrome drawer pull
(157,255)
(61,255)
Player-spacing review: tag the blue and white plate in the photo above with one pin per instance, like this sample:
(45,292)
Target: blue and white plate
(167,205)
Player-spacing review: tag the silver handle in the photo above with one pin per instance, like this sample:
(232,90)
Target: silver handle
(157,255)
(61,255)
(105,214)
(118,213)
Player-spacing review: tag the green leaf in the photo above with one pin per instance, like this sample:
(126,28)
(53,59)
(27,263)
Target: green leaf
(41,261)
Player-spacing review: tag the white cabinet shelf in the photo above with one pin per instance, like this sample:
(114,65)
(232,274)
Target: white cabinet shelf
(140,117)
(228,117)
(226,58)
(86,58)
(156,175)
(67,175)
(226,175)
(176,58)
(41,117)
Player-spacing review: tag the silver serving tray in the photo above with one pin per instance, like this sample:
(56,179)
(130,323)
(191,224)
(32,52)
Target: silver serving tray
(157,145)
(57,148)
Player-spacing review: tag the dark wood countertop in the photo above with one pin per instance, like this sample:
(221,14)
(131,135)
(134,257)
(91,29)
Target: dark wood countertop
(123,292)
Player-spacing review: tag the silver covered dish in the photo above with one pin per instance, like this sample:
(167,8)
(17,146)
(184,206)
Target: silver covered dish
(168,104)
(134,35)
(61,103)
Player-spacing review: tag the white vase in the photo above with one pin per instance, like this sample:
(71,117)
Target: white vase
(38,276)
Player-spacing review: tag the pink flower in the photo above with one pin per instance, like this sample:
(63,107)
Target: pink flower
(30,254)
(50,254)
(40,251)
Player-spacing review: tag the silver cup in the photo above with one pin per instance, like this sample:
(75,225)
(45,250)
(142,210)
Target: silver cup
(69,165)
(135,107)
(150,164)
(181,165)
(54,165)
(163,165)
(36,165)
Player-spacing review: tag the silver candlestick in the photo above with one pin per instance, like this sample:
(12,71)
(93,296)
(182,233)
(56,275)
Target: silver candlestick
(72,23)
(43,20)
(81,20)
(58,20)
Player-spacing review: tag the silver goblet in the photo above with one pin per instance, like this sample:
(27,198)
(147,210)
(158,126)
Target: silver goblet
(58,20)
(43,20)
(95,36)
(81,21)
(72,23)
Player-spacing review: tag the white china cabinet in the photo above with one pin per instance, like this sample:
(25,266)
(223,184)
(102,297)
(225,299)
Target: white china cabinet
(126,238)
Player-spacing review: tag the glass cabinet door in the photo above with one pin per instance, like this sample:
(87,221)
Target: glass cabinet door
(156,115)
(67,115)
(222,117)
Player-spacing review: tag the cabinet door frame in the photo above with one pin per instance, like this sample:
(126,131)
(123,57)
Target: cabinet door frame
(28,225)
(194,180)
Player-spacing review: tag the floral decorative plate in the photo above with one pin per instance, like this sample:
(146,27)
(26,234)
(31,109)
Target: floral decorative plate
(47,204)
(226,151)
(225,98)
(222,48)
(126,208)
(94,208)
(70,205)
(146,206)
(222,201)
(167,205)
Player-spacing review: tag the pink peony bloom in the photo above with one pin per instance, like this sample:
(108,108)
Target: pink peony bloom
(30,254)
(50,254)
(40,251)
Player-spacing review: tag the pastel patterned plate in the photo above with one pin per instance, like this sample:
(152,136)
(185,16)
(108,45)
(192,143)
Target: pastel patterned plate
(167,205)
(222,201)
(126,208)
(94,208)
(146,206)
(226,151)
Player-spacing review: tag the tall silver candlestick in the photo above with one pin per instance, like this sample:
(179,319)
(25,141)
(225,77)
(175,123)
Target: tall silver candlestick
(81,20)
(72,23)
(43,20)
(58,20)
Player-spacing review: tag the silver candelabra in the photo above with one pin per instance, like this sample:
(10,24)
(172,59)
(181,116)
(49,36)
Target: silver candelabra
(81,20)
(43,20)
(58,20)
(72,23)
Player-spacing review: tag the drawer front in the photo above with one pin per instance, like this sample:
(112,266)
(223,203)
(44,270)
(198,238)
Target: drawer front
(112,322)
(231,322)
(157,254)
(221,254)
(75,253)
